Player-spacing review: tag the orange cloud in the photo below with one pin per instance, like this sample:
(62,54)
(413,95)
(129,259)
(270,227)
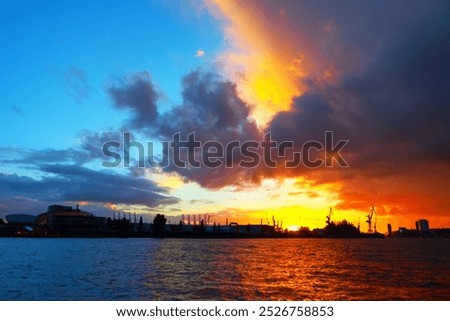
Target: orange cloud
(264,66)
(359,79)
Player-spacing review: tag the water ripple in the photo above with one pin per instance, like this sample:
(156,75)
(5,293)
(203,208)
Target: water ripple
(232,269)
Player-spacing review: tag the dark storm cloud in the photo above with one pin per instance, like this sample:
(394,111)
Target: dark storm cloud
(77,183)
(343,36)
(409,79)
(212,110)
(396,108)
(211,107)
(309,117)
(138,95)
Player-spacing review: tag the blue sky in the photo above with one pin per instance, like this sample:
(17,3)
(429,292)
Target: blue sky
(58,57)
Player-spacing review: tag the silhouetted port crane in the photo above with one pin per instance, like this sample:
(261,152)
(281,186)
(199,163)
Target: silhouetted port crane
(329,216)
(369,220)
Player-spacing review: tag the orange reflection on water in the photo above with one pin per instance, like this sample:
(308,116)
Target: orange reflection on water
(300,269)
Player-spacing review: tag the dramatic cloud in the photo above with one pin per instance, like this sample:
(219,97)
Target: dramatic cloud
(278,44)
(380,85)
(64,183)
(396,111)
(376,79)
(138,95)
(211,108)
(61,176)
(213,111)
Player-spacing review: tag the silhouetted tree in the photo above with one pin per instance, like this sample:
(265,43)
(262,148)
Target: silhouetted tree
(159,223)
(119,224)
(304,231)
(342,229)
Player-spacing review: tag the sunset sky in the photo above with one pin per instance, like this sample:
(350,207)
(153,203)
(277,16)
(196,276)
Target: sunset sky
(77,74)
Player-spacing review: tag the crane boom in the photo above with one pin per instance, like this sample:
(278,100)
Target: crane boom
(369,220)
(329,216)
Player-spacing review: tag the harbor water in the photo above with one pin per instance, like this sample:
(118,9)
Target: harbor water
(224,269)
